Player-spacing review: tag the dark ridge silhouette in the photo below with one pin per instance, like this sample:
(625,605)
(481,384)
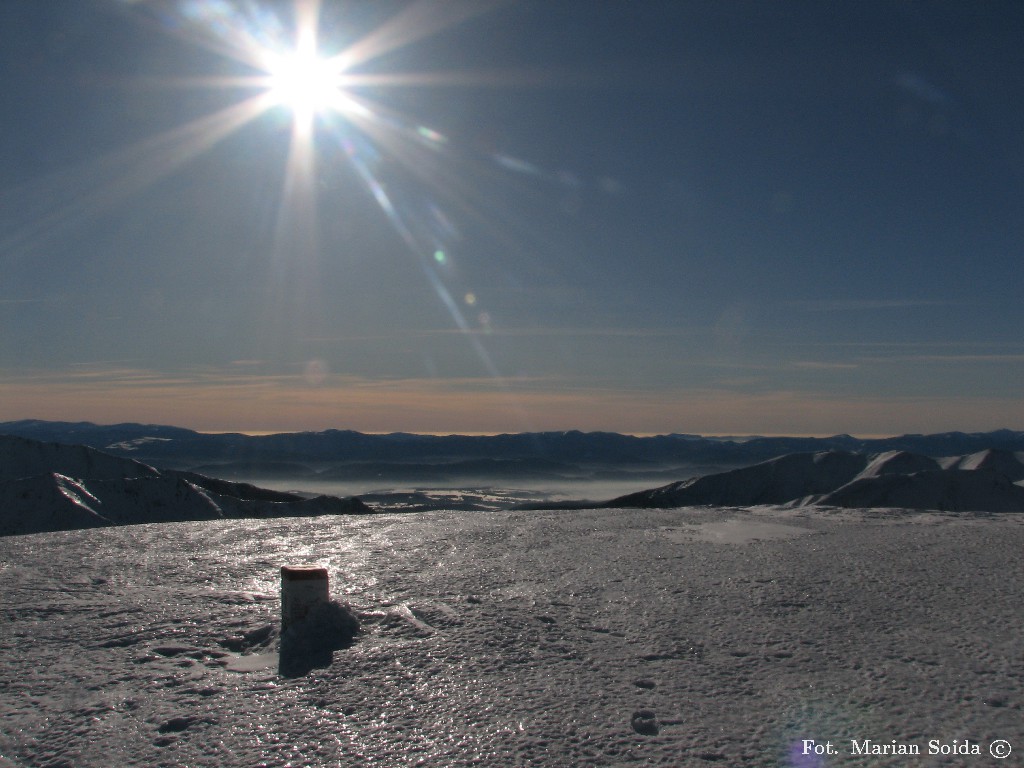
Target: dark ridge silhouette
(347,452)
(51,486)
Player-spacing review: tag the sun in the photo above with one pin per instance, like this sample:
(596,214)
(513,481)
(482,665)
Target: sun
(304,82)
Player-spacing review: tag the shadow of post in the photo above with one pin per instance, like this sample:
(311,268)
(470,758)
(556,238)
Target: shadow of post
(310,643)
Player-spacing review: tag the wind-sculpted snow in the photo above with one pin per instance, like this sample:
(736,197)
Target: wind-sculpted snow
(983,482)
(604,638)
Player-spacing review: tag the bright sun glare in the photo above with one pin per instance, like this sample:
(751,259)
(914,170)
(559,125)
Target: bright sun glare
(304,82)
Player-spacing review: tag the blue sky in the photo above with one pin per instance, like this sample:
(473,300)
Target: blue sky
(714,217)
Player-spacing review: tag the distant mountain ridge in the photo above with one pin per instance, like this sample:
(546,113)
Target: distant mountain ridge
(570,454)
(53,486)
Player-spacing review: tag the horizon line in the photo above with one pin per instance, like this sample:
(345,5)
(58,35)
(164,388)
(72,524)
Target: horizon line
(708,435)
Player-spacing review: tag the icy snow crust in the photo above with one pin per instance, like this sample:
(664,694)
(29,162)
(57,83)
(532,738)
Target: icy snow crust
(568,638)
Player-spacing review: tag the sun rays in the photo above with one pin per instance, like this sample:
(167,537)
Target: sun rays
(323,105)
(296,76)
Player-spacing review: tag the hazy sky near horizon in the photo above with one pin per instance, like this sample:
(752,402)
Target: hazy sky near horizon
(667,216)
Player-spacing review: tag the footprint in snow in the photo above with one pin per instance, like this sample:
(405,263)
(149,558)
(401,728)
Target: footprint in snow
(645,722)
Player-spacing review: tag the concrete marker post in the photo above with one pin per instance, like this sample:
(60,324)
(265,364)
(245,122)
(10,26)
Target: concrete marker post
(303,588)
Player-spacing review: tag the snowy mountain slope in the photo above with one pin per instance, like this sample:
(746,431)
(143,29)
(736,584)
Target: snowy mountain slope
(1006,463)
(50,502)
(897,463)
(952,490)
(47,487)
(23,457)
(982,482)
(776,481)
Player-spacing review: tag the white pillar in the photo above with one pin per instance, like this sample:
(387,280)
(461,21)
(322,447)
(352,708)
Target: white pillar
(303,587)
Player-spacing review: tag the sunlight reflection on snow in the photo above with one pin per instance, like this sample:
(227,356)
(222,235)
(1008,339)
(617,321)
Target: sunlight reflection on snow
(508,637)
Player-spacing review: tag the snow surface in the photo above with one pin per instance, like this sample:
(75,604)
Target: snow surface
(564,638)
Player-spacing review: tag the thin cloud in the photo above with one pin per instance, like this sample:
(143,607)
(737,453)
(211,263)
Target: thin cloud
(967,358)
(537,332)
(816,365)
(859,305)
(247,363)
